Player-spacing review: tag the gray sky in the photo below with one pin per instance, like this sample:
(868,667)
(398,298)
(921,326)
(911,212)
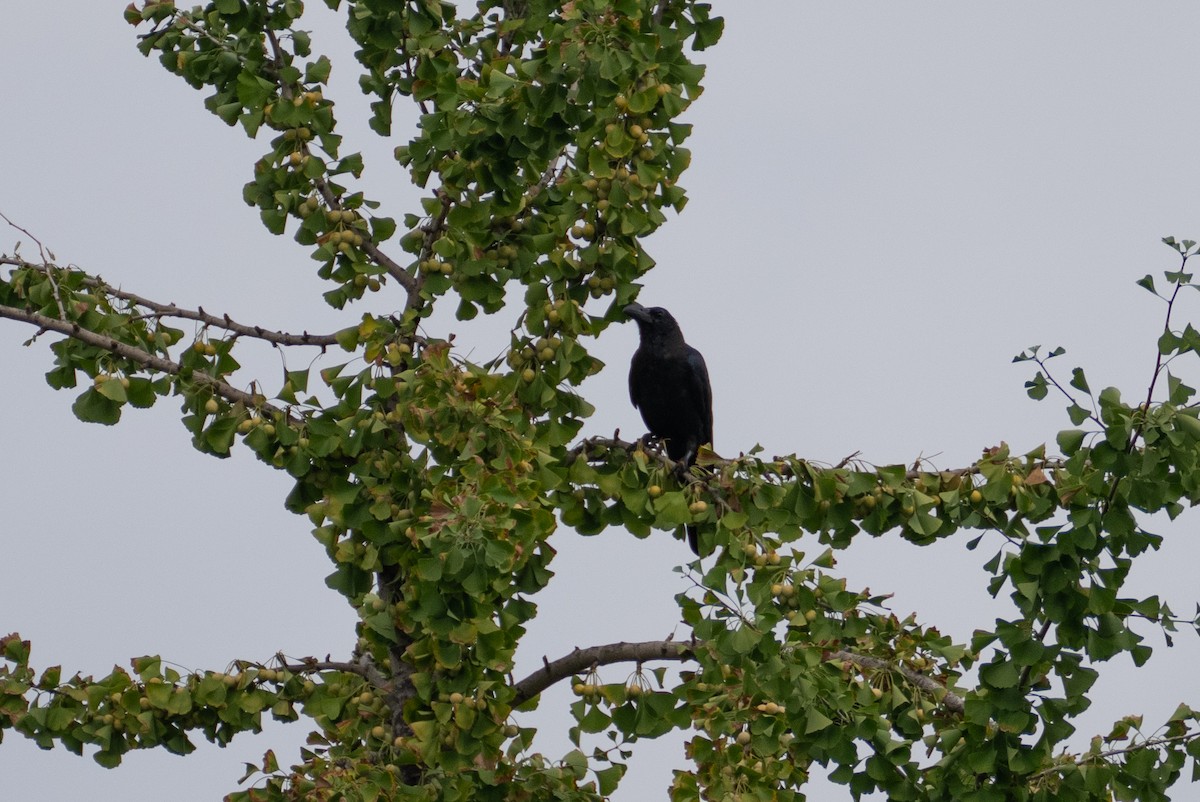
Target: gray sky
(888,201)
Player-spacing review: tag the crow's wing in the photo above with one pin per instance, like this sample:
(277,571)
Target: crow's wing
(700,390)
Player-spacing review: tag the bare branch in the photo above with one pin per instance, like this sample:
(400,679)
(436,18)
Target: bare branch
(143,358)
(580,659)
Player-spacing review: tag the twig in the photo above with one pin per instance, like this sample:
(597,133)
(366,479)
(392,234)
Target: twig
(1149,743)
(45,266)
(277,57)
(846,460)
(1041,363)
(408,73)
(1158,363)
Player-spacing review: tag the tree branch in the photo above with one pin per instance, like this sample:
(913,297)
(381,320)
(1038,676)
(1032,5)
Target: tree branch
(597,448)
(143,358)
(310,665)
(579,659)
(658,11)
(582,659)
(369,247)
(160,310)
(951,701)
(221,322)
(551,174)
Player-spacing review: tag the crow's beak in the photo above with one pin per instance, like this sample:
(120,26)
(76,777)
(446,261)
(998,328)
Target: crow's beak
(637,312)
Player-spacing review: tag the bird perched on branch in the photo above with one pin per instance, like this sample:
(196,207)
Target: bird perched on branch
(668,383)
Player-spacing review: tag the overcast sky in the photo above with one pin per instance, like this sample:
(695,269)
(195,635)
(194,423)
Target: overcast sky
(888,201)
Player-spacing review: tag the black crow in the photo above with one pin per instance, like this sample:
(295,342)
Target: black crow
(668,383)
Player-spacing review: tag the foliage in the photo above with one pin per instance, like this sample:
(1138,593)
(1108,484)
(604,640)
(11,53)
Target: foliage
(549,134)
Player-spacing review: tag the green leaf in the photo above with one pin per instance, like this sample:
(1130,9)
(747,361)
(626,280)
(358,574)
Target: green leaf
(1037,387)
(92,407)
(113,390)
(1189,424)
(229,112)
(314,167)
(577,762)
(1027,355)
(275,220)
(228,6)
(999,675)
(599,165)
(1070,440)
(1178,393)
(349,580)
(499,84)
(317,72)
(708,32)
(1168,343)
(382,228)
(1078,414)
(733,521)
(220,435)
(815,721)
(140,393)
(744,639)
(595,720)
(609,778)
(671,510)
(1183,713)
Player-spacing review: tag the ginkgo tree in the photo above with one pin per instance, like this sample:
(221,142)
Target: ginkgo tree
(548,148)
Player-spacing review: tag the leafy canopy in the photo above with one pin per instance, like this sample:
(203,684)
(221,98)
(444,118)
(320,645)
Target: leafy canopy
(548,147)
